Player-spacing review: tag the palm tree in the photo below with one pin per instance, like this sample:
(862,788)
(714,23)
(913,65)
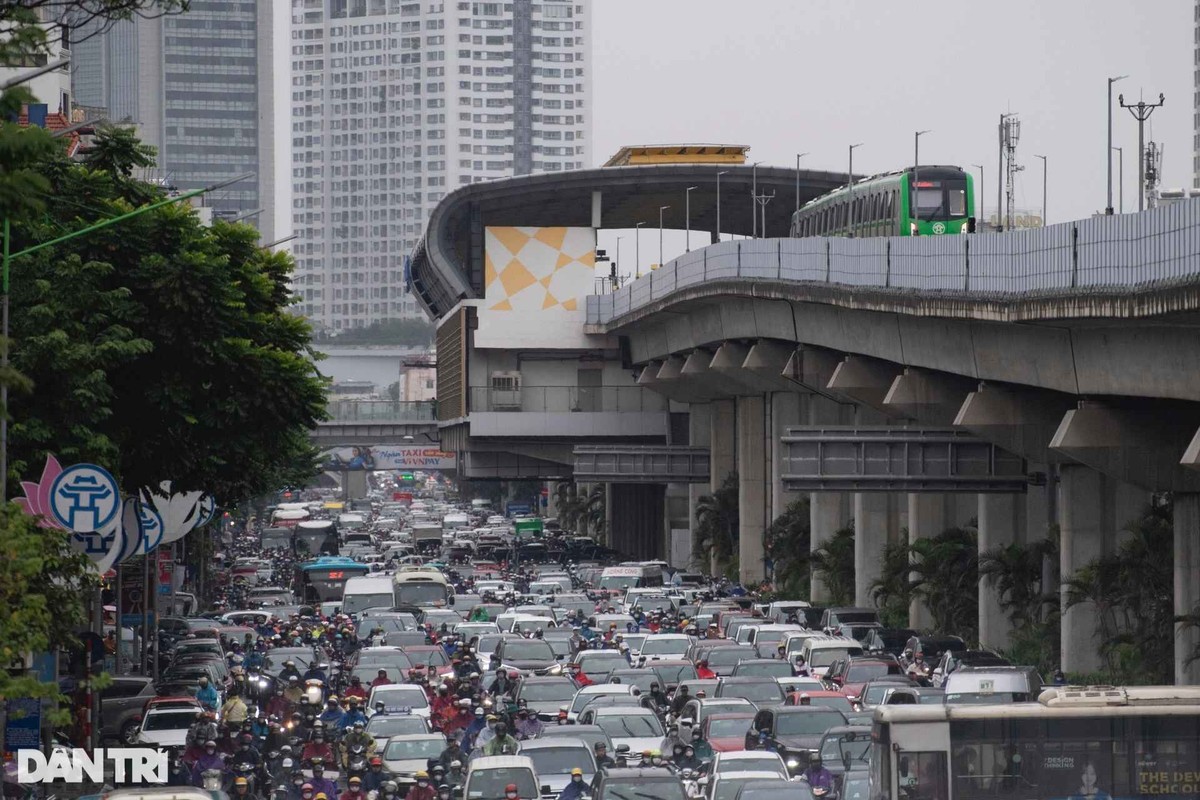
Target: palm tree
(717,525)
(566,500)
(595,511)
(834,561)
(946,577)
(893,590)
(1016,572)
(786,542)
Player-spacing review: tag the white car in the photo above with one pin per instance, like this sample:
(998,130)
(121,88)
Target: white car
(748,761)
(401,698)
(166,727)
(638,728)
(588,693)
(660,646)
(408,754)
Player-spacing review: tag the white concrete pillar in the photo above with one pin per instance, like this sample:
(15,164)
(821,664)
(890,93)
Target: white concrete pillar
(1039,507)
(926,518)
(1081,504)
(786,412)
(753,454)
(698,436)
(1001,520)
(1187,586)
(877,521)
(828,512)
(722,441)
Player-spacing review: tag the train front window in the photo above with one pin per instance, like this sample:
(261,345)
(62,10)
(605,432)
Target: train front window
(940,200)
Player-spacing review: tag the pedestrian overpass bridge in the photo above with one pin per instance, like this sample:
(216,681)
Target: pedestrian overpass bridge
(377,422)
(1019,382)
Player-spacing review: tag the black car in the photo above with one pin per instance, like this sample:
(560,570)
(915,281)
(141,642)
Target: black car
(545,696)
(932,647)
(622,783)
(795,732)
(887,640)
(526,655)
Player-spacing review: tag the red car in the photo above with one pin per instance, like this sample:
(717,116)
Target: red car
(727,732)
(850,675)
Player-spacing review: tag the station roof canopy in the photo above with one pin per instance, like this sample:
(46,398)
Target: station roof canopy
(631,155)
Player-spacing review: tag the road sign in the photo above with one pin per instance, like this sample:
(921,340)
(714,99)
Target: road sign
(133,593)
(85,498)
(166,569)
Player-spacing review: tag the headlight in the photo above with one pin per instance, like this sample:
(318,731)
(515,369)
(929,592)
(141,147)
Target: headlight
(791,762)
(912,229)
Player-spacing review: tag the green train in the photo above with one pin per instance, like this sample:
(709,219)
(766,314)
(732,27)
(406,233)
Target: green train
(944,200)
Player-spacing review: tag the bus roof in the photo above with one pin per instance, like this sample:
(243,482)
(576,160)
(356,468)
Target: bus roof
(1058,702)
(330,562)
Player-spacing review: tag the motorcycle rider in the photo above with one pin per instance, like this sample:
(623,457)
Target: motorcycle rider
(355,690)
(210,759)
(501,744)
(355,790)
(381,679)
(333,714)
(316,672)
(689,760)
(206,694)
(357,736)
(234,711)
(289,672)
(658,696)
(422,790)
(680,700)
(455,776)
(389,791)
(918,668)
(452,753)
(317,748)
(702,748)
(502,685)
(374,779)
(353,717)
(241,788)
(527,726)
(321,784)
(445,792)
(294,692)
(511,792)
(576,789)
(817,776)
(603,759)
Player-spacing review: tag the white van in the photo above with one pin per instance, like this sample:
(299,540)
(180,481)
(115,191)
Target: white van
(821,651)
(369,591)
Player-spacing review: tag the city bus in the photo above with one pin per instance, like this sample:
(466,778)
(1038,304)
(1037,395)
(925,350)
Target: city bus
(324,579)
(421,586)
(1097,743)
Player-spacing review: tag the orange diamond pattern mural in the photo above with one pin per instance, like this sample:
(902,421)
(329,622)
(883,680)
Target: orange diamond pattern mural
(534,269)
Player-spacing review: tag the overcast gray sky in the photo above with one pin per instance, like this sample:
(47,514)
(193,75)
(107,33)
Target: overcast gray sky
(789,76)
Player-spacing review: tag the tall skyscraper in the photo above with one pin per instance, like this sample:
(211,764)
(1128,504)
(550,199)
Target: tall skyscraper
(199,86)
(397,102)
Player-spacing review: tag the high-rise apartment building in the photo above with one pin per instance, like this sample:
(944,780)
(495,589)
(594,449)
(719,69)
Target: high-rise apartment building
(397,102)
(199,86)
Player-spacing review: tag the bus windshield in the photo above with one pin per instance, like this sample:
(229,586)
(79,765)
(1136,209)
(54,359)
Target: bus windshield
(420,593)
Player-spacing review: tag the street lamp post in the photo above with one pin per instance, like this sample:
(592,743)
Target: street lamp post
(1108,209)
(1044,218)
(754,200)
(637,252)
(916,173)
(1121,177)
(5,273)
(688,216)
(850,187)
(661,209)
(798,157)
(979,211)
(719,174)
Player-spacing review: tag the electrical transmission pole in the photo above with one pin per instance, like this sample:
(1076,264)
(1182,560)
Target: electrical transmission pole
(1141,111)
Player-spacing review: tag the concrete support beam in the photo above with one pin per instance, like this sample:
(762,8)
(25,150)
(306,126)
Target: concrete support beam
(828,511)
(754,484)
(649,374)
(1001,520)
(867,380)
(722,441)
(877,522)
(933,398)
(1142,450)
(670,369)
(1020,421)
(926,518)
(1093,509)
(786,410)
(767,361)
(727,363)
(1187,586)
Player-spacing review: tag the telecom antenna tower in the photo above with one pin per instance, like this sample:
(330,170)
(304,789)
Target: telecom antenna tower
(1153,164)
(1010,136)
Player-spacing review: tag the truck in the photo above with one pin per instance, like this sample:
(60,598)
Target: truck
(427,535)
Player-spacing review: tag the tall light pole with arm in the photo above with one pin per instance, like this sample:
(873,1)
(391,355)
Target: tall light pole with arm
(719,174)
(688,216)
(798,157)
(1044,218)
(1108,209)
(850,187)
(916,172)
(637,252)
(661,209)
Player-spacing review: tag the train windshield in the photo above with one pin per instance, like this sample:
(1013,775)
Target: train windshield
(940,199)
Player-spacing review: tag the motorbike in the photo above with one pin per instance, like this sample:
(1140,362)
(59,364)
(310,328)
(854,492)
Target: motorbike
(242,770)
(356,761)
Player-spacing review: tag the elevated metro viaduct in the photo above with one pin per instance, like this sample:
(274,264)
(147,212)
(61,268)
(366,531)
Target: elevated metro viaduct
(1018,381)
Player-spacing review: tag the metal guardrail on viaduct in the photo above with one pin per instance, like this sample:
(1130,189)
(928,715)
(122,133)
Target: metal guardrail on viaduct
(1104,266)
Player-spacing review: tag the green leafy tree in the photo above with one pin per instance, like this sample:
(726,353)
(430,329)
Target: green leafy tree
(117,151)
(1016,571)
(786,542)
(156,346)
(43,583)
(716,539)
(595,512)
(946,570)
(894,589)
(833,561)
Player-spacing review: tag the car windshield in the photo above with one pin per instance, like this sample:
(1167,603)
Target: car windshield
(550,691)
(864,672)
(430,658)
(400,696)
(488,784)
(754,692)
(676,673)
(655,646)
(838,701)
(797,790)
(874,694)
(839,750)
(728,728)
(807,724)
(769,636)
(644,790)
(413,749)
(629,725)
(169,721)
(395,725)
(357,603)
(528,650)
(560,760)
(385,658)
(768,762)
(589,735)
(827,655)
(728,788)
(766,669)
